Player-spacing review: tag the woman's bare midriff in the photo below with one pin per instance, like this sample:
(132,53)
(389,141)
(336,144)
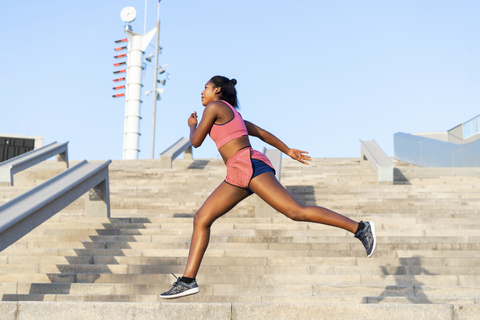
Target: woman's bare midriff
(232,147)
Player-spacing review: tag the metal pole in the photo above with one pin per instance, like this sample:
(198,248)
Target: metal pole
(145,19)
(155,80)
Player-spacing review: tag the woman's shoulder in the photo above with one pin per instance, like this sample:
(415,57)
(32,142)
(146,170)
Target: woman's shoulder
(217,105)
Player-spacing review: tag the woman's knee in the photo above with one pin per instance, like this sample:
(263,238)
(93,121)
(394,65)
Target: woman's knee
(202,220)
(296,213)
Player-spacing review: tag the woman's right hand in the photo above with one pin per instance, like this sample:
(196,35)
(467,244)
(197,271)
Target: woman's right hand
(299,156)
(192,120)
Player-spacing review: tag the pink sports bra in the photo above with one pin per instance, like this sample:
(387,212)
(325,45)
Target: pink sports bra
(232,129)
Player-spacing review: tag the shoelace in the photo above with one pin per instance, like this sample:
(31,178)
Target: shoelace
(178,279)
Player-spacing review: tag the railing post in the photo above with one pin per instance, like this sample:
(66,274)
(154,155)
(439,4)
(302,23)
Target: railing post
(166,162)
(262,209)
(363,159)
(97,200)
(188,154)
(62,160)
(378,161)
(6,177)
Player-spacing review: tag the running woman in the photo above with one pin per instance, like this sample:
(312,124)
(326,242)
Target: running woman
(248,171)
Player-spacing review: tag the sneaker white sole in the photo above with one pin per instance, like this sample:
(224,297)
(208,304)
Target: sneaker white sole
(372,226)
(182,294)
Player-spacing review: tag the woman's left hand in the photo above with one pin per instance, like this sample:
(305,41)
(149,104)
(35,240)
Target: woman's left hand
(299,155)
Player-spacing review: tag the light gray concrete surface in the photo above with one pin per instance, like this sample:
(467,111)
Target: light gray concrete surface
(120,311)
(466,312)
(226,311)
(341,311)
(8,310)
(263,209)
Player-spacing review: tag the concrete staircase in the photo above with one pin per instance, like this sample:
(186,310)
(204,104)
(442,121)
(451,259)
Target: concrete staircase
(427,228)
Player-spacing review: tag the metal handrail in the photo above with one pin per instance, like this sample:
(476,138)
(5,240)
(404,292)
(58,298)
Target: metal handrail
(24,213)
(182,145)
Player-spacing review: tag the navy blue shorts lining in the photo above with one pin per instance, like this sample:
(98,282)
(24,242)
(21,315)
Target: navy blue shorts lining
(259,167)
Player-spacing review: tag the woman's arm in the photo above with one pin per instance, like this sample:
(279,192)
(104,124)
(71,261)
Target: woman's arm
(198,133)
(266,136)
(269,138)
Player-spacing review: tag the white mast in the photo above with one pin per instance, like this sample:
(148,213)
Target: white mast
(137,43)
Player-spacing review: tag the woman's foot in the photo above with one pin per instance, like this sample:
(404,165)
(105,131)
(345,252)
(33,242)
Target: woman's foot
(181,289)
(367,237)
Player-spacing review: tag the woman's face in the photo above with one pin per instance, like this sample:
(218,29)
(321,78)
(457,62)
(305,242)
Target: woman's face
(209,94)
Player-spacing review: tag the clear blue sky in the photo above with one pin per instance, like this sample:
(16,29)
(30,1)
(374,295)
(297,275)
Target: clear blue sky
(318,74)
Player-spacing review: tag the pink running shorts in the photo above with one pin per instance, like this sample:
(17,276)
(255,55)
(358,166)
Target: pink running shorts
(240,168)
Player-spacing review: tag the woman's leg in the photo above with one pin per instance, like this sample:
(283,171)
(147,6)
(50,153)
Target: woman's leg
(222,200)
(267,187)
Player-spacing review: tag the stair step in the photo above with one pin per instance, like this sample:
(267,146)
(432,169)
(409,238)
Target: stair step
(284,290)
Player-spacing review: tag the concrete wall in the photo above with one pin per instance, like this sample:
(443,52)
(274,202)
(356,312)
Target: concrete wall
(455,135)
(427,152)
(440,136)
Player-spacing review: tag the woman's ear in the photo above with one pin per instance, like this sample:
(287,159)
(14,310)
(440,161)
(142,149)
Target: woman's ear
(218,90)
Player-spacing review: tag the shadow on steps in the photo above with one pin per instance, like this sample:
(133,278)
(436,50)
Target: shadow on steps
(407,266)
(399,178)
(198,164)
(305,195)
(85,267)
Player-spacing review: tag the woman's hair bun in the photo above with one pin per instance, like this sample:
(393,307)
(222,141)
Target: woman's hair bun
(228,92)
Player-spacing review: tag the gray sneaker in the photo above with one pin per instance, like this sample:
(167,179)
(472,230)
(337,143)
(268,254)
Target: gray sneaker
(180,289)
(368,237)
